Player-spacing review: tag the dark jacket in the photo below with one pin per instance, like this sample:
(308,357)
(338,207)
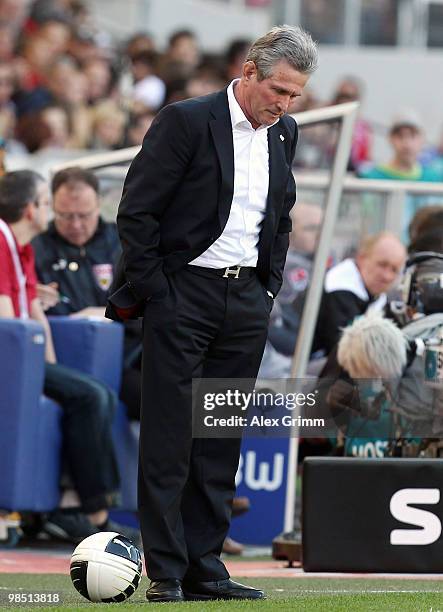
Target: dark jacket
(83,274)
(178,194)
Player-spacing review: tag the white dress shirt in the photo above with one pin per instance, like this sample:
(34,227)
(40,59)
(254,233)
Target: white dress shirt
(238,243)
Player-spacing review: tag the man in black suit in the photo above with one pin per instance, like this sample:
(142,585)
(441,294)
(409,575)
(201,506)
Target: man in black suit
(204,224)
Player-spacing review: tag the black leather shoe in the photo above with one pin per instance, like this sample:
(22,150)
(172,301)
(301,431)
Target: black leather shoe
(220,589)
(165,590)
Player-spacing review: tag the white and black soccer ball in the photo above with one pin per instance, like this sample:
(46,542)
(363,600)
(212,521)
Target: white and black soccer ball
(106,567)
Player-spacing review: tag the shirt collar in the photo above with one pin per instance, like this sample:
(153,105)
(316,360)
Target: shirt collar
(238,118)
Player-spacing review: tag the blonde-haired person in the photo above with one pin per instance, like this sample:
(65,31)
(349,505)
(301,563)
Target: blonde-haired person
(108,126)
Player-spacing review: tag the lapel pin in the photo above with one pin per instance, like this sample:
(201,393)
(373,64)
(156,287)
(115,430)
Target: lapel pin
(282,137)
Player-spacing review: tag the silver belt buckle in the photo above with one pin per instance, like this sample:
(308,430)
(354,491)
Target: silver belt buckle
(234,272)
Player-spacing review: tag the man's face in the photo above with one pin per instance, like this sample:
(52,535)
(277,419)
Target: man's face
(76,213)
(407,143)
(267,100)
(98,76)
(185,50)
(381,266)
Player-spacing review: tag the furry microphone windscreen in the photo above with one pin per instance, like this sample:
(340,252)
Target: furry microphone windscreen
(372,347)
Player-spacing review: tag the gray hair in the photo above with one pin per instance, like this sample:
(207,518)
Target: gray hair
(372,347)
(289,43)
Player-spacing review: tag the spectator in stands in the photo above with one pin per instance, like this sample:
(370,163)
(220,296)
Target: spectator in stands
(13,13)
(59,79)
(67,89)
(108,126)
(56,118)
(138,125)
(235,57)
(55,89)
(205,80)
(78,112)
(7,106)
(406,139)
(100,79)
(181,58)
(314,147)
(148,88)
(48,10)
(141,41)
(432,155)
(350,90)
(58,33)
(87,404)
(46,129)
(183,48)
(7,44)
(36,56)
(83,46)
(77,254)
(352,287)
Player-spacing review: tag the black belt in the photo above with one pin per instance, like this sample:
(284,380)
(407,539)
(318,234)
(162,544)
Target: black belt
(233,272)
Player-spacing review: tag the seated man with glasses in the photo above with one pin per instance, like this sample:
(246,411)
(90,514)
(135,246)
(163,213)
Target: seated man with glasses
(79,249)
(75,261)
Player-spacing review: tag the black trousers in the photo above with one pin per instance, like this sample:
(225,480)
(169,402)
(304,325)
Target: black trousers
(88,411)
(207,327)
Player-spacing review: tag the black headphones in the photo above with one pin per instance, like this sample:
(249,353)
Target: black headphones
(425,299)
(422,256)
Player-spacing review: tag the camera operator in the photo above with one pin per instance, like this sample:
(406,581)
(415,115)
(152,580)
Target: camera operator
(380,393)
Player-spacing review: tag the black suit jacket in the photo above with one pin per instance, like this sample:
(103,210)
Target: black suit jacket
(178,193)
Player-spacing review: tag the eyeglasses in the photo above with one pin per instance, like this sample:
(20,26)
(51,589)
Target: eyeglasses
(70,217)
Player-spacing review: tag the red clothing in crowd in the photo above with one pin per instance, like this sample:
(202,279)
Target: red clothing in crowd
(8,280)
(361,151)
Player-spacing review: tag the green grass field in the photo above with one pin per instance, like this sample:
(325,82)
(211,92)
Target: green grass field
(300,594)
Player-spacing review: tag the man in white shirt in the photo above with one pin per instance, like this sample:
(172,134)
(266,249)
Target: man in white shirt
(204,224)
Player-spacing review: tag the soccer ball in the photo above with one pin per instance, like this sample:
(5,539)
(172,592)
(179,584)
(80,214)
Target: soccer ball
(106,567)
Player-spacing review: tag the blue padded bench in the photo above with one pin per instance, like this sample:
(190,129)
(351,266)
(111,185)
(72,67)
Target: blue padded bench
(30,438)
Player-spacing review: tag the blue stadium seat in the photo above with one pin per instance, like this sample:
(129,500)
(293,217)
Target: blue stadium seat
(30,424)
(91,346)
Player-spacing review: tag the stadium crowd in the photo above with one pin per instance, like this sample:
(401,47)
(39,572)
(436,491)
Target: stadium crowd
(66,85)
